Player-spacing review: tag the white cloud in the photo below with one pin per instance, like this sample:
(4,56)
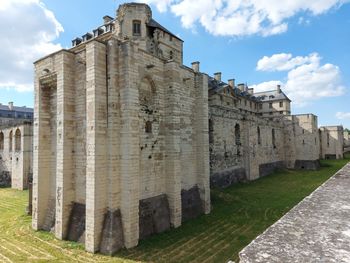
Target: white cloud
(27,30)
(306,81)
(283,62)
(343,115)
(243,17)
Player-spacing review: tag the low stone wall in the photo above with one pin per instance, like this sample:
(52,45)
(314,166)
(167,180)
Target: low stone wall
(268,168)
(316,230)
(5,179)
(228,177)
(307,165)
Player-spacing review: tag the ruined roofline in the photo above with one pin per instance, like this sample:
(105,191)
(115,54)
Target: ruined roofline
(332,127)
(304,114)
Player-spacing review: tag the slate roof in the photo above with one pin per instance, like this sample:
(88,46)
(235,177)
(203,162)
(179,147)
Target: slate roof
(154,23)
(16,108)
(271,95)
(217,86)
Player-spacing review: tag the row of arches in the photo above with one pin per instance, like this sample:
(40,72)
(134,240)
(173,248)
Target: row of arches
(18,144)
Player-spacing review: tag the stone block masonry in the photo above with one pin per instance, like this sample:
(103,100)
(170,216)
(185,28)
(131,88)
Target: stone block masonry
(121,133)
(128,140)
(316,230)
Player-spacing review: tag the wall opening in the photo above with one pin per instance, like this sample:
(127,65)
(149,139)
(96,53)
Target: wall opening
(148,127)
(1,141)
(18,140)
(259,136)
(273,138)
(211,131)
(237,134)
(327,139)
(238,138)
(136,28)
(10,141)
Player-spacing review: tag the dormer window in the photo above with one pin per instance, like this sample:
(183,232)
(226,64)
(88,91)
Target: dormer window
(136,28)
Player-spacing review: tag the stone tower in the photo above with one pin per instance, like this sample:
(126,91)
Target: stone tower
(120,135)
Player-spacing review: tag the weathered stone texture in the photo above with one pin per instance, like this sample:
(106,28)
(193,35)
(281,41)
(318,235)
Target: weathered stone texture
(112,235)
(154,216)
(191,203)
(77,225)
(316,230)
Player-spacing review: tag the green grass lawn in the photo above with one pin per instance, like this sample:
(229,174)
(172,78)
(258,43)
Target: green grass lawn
(238,215)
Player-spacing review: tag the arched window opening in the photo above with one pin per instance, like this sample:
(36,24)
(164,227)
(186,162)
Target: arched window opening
(148,127)
(259,136)
(237,134)
(10,141)
(18,140)
(273,138)
(171,55)
(1,141)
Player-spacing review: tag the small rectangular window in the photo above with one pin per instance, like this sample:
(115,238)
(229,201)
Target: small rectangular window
(270,105)
(136,28)
(281,104)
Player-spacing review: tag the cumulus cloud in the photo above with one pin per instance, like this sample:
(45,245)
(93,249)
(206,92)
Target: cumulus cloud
(27,30)
(307,79)
(283,62)
(243,17)
(343,115)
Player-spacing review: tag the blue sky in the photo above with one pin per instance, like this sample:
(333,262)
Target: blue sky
(303,45)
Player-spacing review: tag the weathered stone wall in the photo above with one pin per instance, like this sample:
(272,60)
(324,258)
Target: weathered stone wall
(16,154)
(332,142)
(120,133)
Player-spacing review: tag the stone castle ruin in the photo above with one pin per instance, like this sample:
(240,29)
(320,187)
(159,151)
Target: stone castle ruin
(128,140)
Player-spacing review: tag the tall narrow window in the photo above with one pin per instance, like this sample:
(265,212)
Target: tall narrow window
(148,127)
(270,105)
(211,131)
(18,140)
(136,28)
(273,138)
(328,139)
(1,141)
(281,104)
(10,141)
(171,55)
(259,136)
(237,134)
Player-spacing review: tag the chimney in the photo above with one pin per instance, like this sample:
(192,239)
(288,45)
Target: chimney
(231,83)
(217,76)
(241,87)
(107,19)
(11,105)
(279,89)
(195,66)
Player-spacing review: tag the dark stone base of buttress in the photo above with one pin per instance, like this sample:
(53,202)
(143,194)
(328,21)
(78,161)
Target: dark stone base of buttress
(112,238)
(76,227)
(154,216)
(191,203)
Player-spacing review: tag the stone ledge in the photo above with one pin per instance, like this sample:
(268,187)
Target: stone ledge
(316,230)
